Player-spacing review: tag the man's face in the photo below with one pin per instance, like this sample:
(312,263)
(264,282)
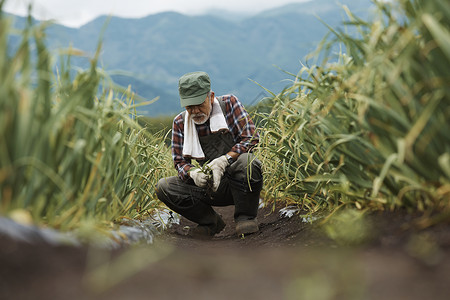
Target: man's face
(200,113)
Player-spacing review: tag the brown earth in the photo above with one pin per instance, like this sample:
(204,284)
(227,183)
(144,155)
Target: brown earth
(286,259)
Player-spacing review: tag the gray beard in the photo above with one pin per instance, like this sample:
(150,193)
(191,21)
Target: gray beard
(202,121)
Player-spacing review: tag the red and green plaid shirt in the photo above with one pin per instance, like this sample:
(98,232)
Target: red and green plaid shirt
(239,123)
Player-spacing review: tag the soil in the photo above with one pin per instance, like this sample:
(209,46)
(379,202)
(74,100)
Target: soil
(286,259)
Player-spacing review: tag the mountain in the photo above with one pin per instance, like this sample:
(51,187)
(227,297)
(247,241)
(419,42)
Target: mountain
(234,50)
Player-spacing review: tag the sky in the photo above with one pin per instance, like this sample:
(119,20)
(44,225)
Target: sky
(74,13)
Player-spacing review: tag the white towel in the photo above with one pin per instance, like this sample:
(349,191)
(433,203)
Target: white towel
(191,144)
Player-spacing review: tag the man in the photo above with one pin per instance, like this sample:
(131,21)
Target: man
(219,134)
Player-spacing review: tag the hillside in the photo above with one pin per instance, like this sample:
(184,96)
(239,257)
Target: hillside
(157,49)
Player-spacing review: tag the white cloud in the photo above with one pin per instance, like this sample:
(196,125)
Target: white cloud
(77,12)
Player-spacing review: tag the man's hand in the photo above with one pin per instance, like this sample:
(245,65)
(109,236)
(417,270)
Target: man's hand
(200,178)
(217,167)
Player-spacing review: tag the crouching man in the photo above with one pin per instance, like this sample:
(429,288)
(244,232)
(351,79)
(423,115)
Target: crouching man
(218,133)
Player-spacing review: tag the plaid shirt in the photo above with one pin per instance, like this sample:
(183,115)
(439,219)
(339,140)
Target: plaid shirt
(239,123)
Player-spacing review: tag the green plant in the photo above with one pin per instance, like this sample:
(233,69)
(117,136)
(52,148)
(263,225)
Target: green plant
(70,148)
(205,169)
(368,127)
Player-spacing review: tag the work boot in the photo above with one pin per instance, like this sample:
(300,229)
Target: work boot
(207,231)
(246,227)
(246,202)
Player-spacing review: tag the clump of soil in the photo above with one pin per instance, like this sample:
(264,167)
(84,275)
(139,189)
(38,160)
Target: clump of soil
(286,259)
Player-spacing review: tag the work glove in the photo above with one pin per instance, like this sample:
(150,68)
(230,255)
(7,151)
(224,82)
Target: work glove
(217,167)
(200,178)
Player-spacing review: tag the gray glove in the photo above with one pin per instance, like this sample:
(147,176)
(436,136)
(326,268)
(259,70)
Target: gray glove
(217,167)
(200,178)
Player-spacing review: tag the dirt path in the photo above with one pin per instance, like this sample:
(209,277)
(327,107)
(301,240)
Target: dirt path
(287,259)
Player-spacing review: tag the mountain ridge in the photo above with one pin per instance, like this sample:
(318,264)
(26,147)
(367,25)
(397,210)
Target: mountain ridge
(159,48)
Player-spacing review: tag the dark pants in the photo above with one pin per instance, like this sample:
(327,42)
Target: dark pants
(240,186)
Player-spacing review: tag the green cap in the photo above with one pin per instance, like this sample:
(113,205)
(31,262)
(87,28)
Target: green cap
(193,88)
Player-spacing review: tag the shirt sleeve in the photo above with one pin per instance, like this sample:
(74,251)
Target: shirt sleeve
(182,164)
(244,130)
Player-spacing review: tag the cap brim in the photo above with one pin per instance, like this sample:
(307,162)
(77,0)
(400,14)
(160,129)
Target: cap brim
(193,100)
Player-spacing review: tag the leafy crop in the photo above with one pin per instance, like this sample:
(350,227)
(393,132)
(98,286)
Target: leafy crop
(70,149)
(369,126)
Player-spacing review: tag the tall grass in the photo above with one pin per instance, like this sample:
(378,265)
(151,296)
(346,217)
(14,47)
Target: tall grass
(368,126)
(70,149)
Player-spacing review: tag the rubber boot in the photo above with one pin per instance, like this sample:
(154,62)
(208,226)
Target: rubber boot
(246,209)
(246,200)
(209,222)
(207,231)
(244,227)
